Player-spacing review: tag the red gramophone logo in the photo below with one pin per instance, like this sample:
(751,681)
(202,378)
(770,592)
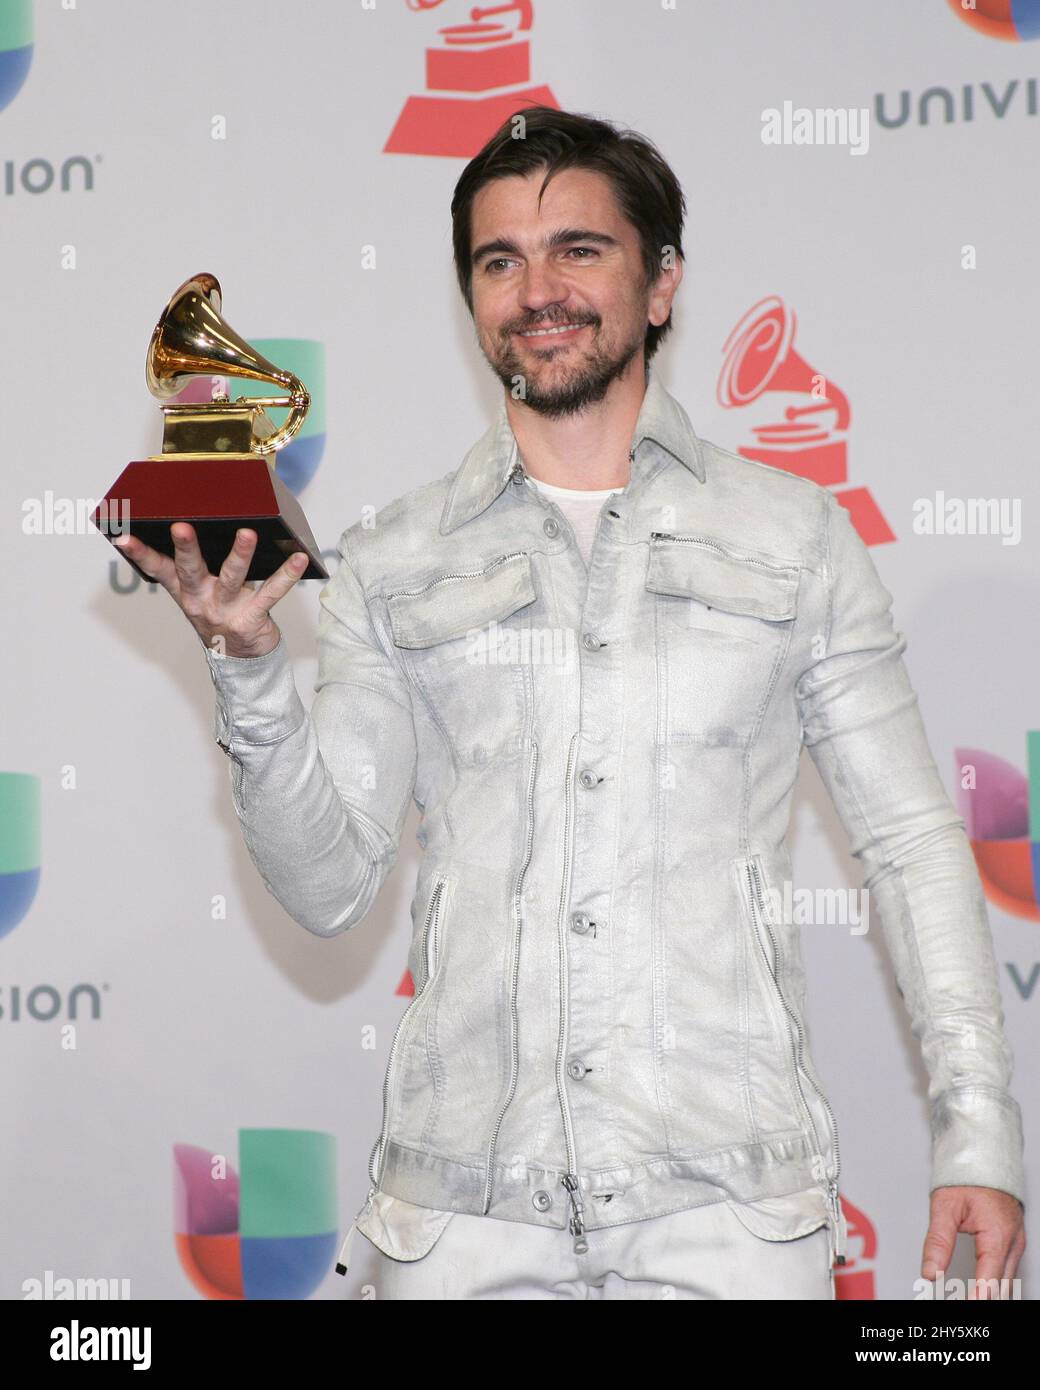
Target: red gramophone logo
(854,1280)
(456,116)
(811,440)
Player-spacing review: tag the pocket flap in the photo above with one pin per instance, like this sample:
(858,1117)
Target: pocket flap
(401,1229)
(448,607)
(783,1218)
(694,567)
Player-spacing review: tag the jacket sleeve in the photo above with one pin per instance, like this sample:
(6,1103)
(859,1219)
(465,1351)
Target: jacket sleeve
(863,729)
(321,798)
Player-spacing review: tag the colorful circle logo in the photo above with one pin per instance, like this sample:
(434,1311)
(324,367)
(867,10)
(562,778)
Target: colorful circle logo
(19,846)
(1001,19)
(1001,810)
(16,47)
(267,1231)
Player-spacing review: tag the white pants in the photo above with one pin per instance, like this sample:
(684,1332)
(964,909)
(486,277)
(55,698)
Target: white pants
(704,1252)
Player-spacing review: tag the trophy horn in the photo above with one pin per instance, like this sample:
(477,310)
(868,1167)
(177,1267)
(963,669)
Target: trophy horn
(192,339)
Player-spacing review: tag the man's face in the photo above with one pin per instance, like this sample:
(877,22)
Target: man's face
(576,260)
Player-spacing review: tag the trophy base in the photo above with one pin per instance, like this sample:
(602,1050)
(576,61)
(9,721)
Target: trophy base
(217,495)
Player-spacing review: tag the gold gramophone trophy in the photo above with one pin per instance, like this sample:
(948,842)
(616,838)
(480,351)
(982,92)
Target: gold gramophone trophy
(216,469)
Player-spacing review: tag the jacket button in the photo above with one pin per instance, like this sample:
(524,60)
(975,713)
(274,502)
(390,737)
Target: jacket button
(591,642)
(581,922)
(587,777)
(551,526)
(576,1069)
(541,1201)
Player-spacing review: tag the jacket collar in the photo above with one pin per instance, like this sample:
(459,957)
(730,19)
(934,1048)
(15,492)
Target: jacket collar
(487,467)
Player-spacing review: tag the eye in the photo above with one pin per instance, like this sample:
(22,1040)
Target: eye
(587,249)
(501,260)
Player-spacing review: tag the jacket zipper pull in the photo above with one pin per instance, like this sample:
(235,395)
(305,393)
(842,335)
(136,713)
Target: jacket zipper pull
(841,1226)
(343,1260)
(577,1223)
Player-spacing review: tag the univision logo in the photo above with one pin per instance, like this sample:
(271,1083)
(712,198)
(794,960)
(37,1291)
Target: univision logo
(1000,19)
(19,846)
(266,1231)
(1013,20)
(44,1003)
(1001,810)
(16,47)
(36,175)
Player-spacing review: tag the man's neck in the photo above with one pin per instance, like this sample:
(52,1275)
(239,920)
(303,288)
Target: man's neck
(586,450)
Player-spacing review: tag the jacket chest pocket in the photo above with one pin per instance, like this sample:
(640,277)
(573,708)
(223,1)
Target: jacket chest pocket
(462,640)
(723,622)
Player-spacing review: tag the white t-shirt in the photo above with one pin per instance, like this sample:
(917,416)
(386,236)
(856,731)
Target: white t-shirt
(581,507)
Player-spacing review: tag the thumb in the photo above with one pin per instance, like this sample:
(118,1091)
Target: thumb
(277,585)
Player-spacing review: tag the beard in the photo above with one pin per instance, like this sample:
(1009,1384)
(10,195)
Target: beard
(566,390)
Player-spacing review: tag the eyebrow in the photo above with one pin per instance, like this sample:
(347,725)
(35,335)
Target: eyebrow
(561,237)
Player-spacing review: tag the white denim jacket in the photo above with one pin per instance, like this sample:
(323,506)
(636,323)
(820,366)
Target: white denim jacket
(609,1012)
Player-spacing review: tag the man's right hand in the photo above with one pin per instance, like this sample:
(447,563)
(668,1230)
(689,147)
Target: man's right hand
(230,618)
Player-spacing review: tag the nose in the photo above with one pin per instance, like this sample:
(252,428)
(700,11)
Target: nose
(542,285)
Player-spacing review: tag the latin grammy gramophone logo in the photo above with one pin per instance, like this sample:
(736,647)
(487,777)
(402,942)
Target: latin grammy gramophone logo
(477,75)
(811,438)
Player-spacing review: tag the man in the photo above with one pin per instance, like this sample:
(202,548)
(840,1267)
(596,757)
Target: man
(592,654)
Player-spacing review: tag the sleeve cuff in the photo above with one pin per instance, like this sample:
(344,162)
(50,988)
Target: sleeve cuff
(257,699)
(977,1141)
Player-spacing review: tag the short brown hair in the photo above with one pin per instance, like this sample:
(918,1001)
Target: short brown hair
(646,189)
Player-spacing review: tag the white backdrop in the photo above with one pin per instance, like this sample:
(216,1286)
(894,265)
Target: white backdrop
(317,231)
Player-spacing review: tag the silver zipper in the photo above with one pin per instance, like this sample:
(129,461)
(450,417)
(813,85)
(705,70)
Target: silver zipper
(514,1022)
(457,574)
(723,550)
(570,1178)
(238,774)
(342,1259)
(375,1170)
(758,908)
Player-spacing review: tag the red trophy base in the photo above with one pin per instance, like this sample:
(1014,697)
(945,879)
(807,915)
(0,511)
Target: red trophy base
(217,496)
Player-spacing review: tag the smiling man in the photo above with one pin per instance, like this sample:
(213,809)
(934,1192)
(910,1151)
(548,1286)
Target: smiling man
(603,1087)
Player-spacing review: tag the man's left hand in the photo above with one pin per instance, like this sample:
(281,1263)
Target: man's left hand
(993,1217)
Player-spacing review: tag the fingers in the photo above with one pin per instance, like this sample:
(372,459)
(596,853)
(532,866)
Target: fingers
(1015,1253)
(236,566)
(154,564)
(279,583)
(998,1250)
(989,1266)
(938,1243)
(187,557)
(996,1242)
